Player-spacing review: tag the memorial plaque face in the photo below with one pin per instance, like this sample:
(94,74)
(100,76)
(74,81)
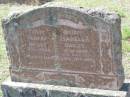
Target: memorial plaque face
(65,46)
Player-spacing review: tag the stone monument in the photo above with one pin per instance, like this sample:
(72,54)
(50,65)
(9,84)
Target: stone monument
(66,46)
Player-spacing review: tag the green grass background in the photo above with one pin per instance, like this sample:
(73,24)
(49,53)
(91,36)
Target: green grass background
(122,8)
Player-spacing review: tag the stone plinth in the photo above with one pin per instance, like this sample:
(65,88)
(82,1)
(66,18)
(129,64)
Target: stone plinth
(20,89)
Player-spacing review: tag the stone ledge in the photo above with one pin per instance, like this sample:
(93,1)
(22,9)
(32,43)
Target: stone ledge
(19,89)
(126,87)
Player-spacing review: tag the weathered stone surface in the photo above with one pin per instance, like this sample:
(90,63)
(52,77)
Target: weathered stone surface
(20,89)
(62,45)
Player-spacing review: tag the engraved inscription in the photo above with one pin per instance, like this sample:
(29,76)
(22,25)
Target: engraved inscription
(66,47)
(79,49)
(62,47)
(39,47)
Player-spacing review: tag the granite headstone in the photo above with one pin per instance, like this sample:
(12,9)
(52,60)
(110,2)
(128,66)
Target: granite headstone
(62,45)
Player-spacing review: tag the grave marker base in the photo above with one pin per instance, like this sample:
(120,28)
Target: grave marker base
(20,89)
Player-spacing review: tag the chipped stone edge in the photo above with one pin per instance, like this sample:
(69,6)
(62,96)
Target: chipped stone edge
(60,89)
(109,17)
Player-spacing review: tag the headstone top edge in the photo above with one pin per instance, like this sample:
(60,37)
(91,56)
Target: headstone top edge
(101,13)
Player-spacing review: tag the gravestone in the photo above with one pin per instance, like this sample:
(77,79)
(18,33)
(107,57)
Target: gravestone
(61,45)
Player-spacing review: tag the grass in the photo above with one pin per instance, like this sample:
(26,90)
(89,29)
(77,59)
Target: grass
(4,72)
(125,46)
(123,9)
(113,5)
(126,63)
(125,32)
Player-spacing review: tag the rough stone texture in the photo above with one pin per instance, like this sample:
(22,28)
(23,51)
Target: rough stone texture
(64,45)
(19,89)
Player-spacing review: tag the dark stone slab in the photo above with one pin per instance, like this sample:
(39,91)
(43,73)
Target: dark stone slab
(126,87)
(20,89)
